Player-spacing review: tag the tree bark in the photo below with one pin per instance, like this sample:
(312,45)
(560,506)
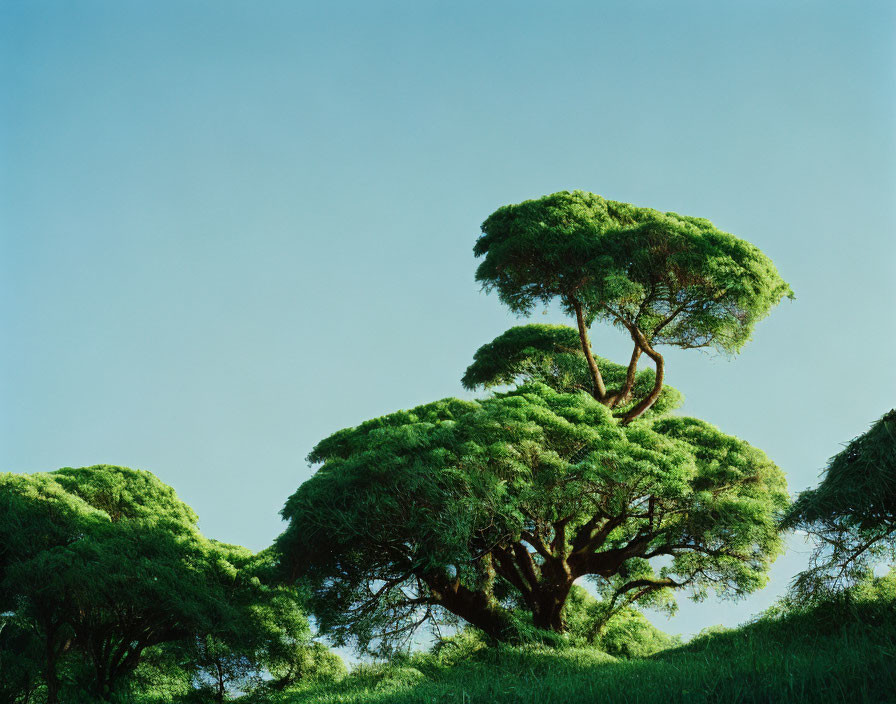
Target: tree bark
(600,390)
(552,595)
(549,613)
(654,394)
(219,697)
(624,394)
(472,606)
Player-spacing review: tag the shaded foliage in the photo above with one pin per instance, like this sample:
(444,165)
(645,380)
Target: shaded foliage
(852,513)
(100,565)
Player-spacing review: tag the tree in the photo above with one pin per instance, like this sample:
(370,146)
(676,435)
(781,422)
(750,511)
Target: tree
(102,563)
(38,522)
(227,654)
(851,514)
(486,510)
(662,277)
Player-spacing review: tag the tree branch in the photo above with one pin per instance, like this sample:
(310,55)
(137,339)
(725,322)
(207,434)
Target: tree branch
(654,394)
(600,391)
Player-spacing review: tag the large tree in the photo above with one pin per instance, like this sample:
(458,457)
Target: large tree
(666,279)
(851,514)
(489,509)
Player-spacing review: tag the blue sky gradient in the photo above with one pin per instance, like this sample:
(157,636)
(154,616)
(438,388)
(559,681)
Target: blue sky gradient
(229,229)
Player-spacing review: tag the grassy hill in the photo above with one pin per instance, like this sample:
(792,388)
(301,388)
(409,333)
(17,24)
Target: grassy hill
(843,651)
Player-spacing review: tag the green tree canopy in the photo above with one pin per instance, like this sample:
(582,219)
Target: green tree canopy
(101,563)
(852,512)
(662,277)
(478,509)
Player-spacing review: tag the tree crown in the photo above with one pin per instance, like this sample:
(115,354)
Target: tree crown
(494,496)
(678,279)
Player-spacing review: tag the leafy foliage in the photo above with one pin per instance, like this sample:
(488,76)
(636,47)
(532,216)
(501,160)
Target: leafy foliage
(20,661)
(623,633)
(678,279)
(552,355)
(662,277)
(99,565)
(482,509)
(852,512)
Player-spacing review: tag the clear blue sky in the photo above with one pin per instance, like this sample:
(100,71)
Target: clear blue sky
(231,228)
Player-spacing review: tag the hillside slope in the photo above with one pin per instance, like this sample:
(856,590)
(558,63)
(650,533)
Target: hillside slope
(835,652)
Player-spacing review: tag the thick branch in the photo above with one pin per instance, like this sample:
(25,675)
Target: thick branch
(624,393)
(537,543)
(608,562)
(587,540)
(600,391)
(559,541)
(475,607)
(507,568)
(524,560)
(654,394)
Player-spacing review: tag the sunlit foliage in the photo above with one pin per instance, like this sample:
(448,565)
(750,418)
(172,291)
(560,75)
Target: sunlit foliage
(663,278)
(487,510)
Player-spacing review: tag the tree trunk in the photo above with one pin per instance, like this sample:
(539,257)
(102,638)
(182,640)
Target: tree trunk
(50,674)
(474,607)
(548,614)
(600,391)
(219,697)
(101,687)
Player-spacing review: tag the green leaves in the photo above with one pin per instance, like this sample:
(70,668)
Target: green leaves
(678,279)
(101,563)
(461,509)
(399,503)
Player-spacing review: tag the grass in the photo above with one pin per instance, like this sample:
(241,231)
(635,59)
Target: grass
(838,652)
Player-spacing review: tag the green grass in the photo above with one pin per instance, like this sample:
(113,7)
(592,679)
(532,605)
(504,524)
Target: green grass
(842,652)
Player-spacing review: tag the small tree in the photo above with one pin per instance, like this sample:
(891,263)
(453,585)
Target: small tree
(662,277)
(551,355)
(851,514)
